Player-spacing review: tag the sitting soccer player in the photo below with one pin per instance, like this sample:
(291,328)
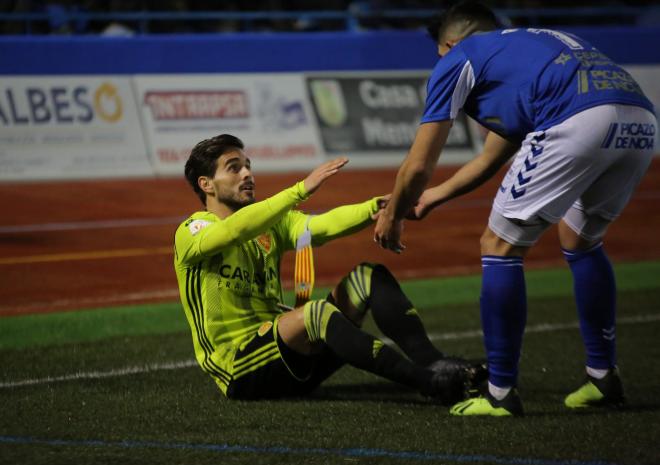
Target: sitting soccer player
(227,264)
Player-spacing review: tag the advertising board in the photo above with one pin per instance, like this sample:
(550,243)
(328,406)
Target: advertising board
(268,112)
(69,127)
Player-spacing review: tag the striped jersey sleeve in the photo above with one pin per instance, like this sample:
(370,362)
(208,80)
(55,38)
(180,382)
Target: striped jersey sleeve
(448,87)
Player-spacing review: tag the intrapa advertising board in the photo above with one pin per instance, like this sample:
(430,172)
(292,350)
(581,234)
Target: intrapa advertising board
(69,127)
(269,112)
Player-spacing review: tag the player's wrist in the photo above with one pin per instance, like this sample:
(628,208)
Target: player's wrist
(374,204)
(300,190)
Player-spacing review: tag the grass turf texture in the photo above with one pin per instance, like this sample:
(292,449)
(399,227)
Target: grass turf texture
(180,417)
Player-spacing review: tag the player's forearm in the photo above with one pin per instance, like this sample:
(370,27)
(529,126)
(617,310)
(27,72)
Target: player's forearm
(497,150)
(342,221)
(252,220)
(417,168)
(468,178)
(411,180)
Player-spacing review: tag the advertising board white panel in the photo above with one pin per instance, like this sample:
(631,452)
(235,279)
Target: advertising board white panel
(69,127)
(270,113)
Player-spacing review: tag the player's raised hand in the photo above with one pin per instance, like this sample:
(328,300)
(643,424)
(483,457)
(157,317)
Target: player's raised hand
(322,172)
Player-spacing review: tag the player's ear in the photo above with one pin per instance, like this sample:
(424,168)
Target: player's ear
(445,45)
(450,43)
(204,183)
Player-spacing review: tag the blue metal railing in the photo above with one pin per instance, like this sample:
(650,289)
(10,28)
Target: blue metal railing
(351,19)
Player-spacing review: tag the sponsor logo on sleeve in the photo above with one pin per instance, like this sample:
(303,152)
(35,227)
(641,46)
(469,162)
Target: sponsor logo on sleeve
(197,225)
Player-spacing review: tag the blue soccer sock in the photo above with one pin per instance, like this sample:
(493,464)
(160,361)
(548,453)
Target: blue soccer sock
(595,297)
(503,316)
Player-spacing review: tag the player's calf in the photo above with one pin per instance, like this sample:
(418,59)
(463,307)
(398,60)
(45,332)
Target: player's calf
(324,322)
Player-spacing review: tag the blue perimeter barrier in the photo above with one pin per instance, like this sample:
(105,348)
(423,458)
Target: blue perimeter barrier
(269,52)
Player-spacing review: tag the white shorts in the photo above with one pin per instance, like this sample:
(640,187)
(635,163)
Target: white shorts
(585,167)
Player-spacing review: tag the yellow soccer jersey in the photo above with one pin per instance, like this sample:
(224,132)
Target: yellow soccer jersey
(229,270)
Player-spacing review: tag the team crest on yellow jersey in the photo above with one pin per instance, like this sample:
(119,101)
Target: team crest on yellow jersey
(265,242)
(195,226)
(264,328)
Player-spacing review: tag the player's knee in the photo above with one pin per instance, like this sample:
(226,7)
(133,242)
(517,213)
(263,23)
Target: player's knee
(568,238)
(492,244)
(316,314)
(579,231)
(358,285)
(379,270)
(382,277)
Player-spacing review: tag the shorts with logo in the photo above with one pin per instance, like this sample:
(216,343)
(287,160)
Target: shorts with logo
(266,368)
(585,167)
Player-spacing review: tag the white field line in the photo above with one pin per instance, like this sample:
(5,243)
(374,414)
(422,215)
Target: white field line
(127,371)
(134,370)
(543,328)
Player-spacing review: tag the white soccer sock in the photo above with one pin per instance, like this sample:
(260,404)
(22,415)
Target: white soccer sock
(497,392)
(598,373)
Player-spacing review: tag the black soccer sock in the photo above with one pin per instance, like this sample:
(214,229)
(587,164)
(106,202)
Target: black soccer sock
(368,353)
(324,321)
(397,318)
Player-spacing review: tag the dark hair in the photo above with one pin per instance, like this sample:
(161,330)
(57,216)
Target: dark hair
(203,160)
(468,11)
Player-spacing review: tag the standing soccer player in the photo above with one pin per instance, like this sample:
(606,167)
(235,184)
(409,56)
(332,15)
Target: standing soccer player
(582,135)
(227,263)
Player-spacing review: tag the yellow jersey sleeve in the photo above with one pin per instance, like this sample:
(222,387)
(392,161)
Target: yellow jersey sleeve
(204,234)
(335,223)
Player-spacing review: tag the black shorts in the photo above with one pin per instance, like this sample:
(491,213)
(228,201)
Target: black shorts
(285,373)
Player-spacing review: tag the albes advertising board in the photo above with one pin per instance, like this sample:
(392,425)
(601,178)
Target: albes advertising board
(68,127)
(268,112)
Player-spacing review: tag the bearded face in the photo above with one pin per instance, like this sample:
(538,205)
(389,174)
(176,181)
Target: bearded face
(233,182)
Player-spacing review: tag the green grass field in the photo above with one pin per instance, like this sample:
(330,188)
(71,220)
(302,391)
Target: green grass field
(118,386)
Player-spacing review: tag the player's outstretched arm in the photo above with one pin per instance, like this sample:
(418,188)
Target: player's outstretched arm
(344,220)
(411,179)
(252,220)
(497,150)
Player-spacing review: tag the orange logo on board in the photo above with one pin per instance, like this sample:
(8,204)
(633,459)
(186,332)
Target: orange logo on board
(265,242)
